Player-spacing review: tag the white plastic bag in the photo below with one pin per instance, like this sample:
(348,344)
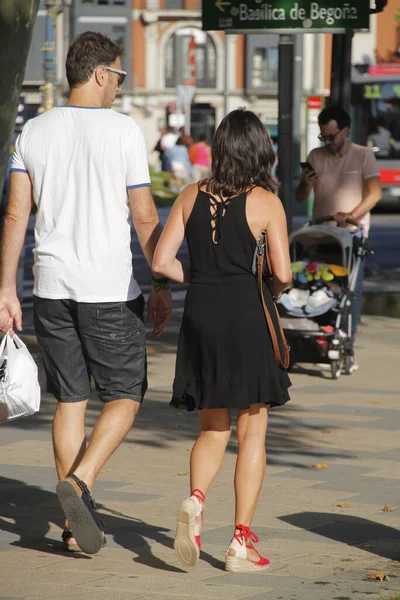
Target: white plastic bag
(19,384)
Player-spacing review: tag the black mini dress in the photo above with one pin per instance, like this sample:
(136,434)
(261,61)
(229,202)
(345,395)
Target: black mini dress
(225,357)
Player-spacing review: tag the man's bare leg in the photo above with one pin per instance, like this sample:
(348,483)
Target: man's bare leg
(110,430)
(72,456)
(69,436)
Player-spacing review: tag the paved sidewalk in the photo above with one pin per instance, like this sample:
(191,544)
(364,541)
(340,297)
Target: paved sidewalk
(318,550)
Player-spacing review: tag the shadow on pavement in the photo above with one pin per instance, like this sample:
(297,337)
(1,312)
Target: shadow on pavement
(376,538)
(28,511)
(310,372)
(292,441)
(133,537)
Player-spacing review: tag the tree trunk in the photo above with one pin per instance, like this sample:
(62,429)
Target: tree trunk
(17,18)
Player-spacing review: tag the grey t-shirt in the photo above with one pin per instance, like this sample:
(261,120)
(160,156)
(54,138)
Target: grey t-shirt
(340,184)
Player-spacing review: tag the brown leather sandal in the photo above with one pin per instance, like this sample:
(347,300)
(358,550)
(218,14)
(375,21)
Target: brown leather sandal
(69,546)
(80,511)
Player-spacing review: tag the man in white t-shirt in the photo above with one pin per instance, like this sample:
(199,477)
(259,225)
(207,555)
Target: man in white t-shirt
(85,168)
(346,182)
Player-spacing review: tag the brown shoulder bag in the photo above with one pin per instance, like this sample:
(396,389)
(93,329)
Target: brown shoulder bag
(262,269)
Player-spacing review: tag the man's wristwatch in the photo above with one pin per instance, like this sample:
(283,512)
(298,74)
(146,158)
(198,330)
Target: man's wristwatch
(160,283)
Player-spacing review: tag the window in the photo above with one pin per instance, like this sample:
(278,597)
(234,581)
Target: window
(118,35)
(174,4)
(264,67)
(262,58)
(382,109)
(206,72)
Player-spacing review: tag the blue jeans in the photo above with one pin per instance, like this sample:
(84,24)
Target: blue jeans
(357,298)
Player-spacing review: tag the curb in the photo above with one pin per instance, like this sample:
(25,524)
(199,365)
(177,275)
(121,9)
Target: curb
(381,303)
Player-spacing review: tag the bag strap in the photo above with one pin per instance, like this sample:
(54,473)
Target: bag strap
(17,341)
(262,255)
(3,346)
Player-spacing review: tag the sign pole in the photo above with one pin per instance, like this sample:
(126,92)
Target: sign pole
(345,88)
(285,124)
(187,89)
(188,110)
(341,70)
(337,62)
(226,74)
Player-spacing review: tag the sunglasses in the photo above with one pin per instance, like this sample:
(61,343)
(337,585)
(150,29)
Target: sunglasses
(328,138)
(121,74)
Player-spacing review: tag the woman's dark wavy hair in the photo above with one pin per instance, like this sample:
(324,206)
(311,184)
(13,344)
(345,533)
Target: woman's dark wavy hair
(242,155)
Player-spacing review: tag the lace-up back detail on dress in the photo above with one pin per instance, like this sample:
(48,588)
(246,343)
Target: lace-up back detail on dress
(218,209)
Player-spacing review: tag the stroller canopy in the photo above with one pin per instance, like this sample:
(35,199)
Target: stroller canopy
(322,243)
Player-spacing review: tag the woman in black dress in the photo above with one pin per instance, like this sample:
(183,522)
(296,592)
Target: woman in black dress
(225,356)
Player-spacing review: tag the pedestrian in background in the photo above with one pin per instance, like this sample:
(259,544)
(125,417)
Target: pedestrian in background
(346,183)
(85,168)
(225,356)
(167,140)
(381,141)
(201,158)
(177,158)
(159,149)
(184,139)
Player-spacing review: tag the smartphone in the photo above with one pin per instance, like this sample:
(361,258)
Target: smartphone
(306,165)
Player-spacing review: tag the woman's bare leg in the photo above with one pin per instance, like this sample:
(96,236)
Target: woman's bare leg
(250,465)
(205,461)
(208,451)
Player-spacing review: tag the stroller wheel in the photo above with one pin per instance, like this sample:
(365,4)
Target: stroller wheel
(335,369)
(348,364)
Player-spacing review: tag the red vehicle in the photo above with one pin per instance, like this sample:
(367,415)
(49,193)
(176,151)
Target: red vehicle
(376,123)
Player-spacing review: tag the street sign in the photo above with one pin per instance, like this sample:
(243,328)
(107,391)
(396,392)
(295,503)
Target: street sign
(189,65)
(314,102)
(187,89)
(176,120)
(324,16)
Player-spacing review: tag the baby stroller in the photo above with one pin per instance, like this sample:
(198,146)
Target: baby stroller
(316,312)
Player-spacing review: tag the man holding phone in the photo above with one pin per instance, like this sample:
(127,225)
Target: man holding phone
(345,179)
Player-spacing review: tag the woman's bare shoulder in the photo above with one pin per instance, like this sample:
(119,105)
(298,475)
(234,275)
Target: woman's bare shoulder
(188,194)
(186,199)
(265,199)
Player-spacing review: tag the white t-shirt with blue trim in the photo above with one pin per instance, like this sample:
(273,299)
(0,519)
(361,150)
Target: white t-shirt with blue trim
(81,162)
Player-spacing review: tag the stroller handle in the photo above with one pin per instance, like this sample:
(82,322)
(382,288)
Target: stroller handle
(348,220)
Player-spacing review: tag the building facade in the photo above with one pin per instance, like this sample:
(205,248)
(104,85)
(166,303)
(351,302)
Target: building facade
(231,71)
(162,30)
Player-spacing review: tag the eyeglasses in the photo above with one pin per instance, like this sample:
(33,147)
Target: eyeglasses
(328,138)
(122,74)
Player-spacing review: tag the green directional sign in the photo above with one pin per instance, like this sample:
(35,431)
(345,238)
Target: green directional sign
(288,15)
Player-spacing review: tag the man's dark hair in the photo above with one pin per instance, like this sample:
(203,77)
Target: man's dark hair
(202,137)
(87,52)
(242,155)
(381,122)
(334,113)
